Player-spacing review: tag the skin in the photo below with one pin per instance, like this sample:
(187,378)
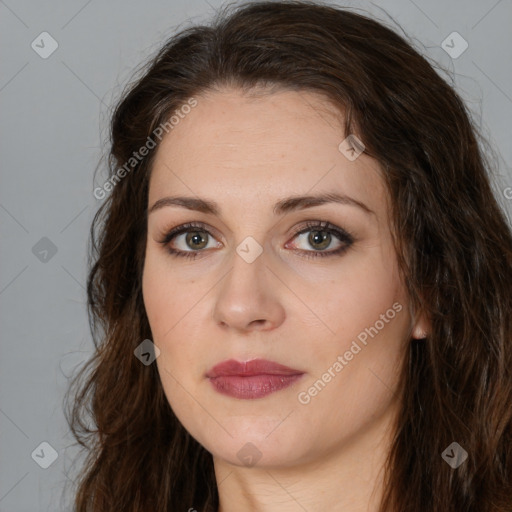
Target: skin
(247,152)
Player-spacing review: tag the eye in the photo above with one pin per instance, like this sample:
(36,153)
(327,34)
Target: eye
(320,236)
(196,238)
(192,238)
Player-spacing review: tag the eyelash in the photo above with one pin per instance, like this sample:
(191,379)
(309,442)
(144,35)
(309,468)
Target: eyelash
(344,236)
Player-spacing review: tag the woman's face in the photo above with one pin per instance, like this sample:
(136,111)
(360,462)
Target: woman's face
(329,306)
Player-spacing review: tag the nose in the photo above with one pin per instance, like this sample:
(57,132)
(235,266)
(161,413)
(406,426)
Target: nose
(248,298)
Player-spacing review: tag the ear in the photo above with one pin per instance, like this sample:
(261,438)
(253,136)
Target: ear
(421,327)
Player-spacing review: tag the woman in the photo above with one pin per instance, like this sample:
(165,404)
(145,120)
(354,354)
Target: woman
(302,280)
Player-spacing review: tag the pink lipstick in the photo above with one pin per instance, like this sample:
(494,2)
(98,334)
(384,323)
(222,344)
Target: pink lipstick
(251,379)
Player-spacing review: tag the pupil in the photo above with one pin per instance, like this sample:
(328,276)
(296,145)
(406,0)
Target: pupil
(195,238)
(316,237)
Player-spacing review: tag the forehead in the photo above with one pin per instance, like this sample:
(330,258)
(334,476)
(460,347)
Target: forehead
(266,146)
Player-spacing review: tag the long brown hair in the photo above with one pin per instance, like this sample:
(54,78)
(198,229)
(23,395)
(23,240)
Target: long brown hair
(452,240)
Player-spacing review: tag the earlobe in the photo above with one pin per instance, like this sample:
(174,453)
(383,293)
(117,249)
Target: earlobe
(421,328)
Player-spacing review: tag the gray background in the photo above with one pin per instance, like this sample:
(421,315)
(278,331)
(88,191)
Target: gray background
(53,122)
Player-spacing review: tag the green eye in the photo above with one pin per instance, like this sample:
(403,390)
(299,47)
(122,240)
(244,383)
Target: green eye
(320,236)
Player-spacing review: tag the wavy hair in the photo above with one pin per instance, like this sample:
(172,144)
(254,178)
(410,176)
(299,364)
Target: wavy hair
(452,240)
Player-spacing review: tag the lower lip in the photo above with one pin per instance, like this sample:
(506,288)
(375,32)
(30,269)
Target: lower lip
(252,386)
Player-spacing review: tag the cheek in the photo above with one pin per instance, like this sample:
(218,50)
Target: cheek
(154,293)
(165,301)
(173,312)
(365,311)
(166,307)
(353,297)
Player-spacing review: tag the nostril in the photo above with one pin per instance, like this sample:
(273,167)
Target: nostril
(258,322)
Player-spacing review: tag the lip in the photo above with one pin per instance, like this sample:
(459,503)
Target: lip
(251,379)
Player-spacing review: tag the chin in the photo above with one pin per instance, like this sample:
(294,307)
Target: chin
(257,442)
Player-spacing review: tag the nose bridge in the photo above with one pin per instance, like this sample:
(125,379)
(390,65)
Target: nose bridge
(248,262)
(245,297)
(246,276)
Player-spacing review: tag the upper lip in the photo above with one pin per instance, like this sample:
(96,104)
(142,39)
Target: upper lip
(232,367)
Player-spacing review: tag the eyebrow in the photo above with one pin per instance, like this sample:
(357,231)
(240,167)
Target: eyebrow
(280,208)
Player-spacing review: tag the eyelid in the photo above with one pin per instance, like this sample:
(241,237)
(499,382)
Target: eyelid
(343,235)
(327,226)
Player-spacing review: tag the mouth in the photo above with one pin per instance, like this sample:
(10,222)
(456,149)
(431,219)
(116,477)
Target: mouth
(251,379)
